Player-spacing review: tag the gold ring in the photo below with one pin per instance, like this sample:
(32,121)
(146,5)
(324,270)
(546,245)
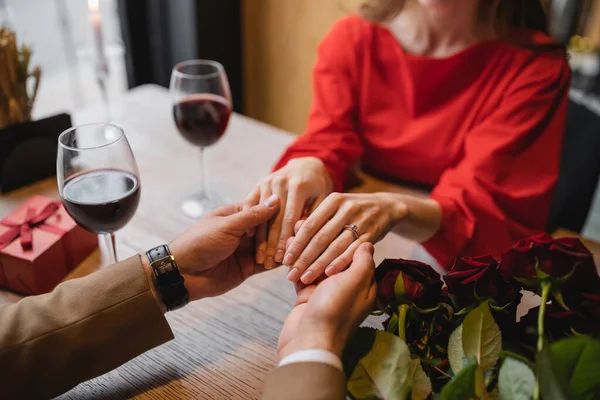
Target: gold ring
(353,229)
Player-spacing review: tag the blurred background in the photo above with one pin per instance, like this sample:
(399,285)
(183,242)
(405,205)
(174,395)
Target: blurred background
(268,48)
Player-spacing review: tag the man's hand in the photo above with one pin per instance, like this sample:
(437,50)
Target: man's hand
(326,314)
(215,256)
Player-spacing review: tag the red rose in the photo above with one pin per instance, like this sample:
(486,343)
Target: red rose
(590,308)
(555,257)
(586,308)
(407,281)
(472,277)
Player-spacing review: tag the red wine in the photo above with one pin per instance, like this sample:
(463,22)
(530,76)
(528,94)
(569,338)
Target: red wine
(102,201)
(202,119)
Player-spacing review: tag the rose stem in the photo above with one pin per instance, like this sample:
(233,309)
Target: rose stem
(403,309)
(545,293)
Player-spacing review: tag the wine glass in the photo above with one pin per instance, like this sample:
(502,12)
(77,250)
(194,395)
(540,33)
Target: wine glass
(201,109)
(98,179)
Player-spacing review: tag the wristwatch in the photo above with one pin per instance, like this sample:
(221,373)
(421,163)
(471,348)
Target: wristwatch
(168,278)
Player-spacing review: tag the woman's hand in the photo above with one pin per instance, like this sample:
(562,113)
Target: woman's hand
(301,185)
(323,245)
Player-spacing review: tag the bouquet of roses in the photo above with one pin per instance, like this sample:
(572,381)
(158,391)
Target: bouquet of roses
(462,340)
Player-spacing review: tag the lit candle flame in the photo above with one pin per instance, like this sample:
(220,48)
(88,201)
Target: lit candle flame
(93,6)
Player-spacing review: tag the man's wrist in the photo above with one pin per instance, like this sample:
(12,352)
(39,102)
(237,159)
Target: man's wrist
(184,269)
(152,281)
(313,341)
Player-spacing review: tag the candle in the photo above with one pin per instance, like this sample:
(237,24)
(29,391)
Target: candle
(96,21)
(101,62)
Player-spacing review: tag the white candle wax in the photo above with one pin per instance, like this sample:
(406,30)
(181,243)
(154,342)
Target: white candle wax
(96,21)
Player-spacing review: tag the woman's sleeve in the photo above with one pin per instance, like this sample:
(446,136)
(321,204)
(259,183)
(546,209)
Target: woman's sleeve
(502,189)
(331,133)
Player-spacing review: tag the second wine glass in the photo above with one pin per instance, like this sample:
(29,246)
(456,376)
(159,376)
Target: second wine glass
(98,179)
(201,109)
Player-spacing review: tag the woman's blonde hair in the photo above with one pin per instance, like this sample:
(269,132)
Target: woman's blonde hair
(504,14)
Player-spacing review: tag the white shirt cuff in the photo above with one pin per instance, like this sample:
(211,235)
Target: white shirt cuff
(313,355)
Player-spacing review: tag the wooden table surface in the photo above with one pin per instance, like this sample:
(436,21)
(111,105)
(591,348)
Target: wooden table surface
(224,347)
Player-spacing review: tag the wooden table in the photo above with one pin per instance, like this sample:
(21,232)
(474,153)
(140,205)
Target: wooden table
(236,333)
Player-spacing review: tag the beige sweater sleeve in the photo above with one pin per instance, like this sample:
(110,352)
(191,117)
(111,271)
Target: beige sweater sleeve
(84,328)
(305,380)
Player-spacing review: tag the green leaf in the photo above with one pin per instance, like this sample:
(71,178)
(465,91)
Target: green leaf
(558,297)
(399,287)
(494,394)
(384,372)
(359,345)
(550,387)
(504,354)
(465,310)
(393,325)
(456,355)
(527,282)
(426,311)
(421,385)
(576,362)
(515,381)
(481,337)
(501,308)
(467,384)
(563,279)
(540,274)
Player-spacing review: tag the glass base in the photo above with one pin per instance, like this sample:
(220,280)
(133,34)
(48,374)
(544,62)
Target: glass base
(198,206)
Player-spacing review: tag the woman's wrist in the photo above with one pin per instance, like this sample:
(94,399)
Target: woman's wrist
(398,209)
(422,217)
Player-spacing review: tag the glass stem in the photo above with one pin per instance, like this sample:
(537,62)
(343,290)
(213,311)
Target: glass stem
(203,186)
(109,240)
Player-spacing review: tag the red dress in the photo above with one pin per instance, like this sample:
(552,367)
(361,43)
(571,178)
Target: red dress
(484,126)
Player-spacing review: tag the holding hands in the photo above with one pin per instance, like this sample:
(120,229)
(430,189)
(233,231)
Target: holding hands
(215,255)
(326,314)
(336,223)
(327,240)
(301,185)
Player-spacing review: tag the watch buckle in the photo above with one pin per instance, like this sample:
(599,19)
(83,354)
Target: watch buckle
(161,263)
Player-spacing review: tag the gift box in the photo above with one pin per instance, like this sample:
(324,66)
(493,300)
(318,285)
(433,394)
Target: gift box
(39,245)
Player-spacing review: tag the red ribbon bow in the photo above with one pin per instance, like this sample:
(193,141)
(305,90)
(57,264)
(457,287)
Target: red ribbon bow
(25,228)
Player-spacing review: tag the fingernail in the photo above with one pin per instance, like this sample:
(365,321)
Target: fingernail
(289,259)
(271,201)
(329,270)
(293,275)
(269,264)
(371,248)
(279,256)
(307,277)
(260,257)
